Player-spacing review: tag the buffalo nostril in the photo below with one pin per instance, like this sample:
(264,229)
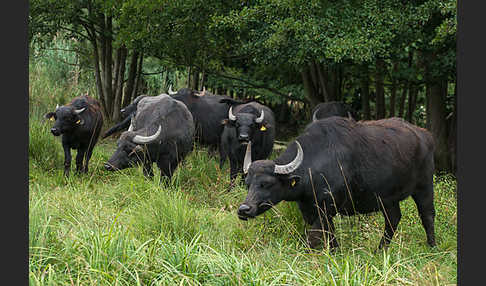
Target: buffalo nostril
(243,209)
(243,137)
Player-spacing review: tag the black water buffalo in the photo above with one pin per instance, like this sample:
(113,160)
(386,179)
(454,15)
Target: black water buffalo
(161,131)
(126,114)
(338,165)
(79,123)
(333,108)
(248,124)
(208,113)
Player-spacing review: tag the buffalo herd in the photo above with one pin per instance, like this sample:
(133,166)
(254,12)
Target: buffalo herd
(336,165)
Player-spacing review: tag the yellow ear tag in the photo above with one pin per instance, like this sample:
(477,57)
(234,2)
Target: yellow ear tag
(52,118)
(263,128)
(79,120)
(292,183)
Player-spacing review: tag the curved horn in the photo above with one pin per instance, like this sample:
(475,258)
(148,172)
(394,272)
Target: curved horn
(230,114)
(57,106)
(78,111)
(314,117)
(130,128)
(292,166)
(260,119)
(139,139)
(170,90)
(247,160)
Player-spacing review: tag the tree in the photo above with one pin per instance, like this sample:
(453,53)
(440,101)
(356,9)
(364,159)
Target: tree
(96,22)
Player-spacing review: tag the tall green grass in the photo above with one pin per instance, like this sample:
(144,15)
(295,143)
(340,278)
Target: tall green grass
(105,228)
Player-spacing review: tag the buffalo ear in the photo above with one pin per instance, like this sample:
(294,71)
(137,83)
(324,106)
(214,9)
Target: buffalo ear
(50,115)
(292,180)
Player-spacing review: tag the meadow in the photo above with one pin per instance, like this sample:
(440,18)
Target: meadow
(119,228)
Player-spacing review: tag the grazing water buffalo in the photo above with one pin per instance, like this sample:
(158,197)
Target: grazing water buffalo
(79,123)
(338,165)
(332,108)
(248,124)
(161,131)
(126,113)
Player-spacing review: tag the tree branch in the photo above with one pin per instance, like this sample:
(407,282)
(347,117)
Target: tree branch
(254,85)
(153,73)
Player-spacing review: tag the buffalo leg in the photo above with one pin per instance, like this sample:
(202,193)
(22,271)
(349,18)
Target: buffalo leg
(168,168)
(212,151)
(222,155)
(89,152)
(424,199)
(147,169)
(315,234)
(79,159)
(234,168)
(67,159)
(392,216)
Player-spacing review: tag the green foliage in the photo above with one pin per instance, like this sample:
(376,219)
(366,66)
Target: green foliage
(43,147)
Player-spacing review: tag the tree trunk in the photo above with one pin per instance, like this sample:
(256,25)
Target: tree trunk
(119,81)
(309,88)
(132,72)
(193,78)
(438,93)
(412,98)
(138,76)
(393,93)
(427,107)
(204,79)
(321,75)
(380,89)
(332,84)
(365,94)
(99,81)
(393,96)
(116,69)
(107,62)
(401,107)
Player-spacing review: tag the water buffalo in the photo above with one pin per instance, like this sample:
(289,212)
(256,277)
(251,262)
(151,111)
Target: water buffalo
(79,123)
(208,113)
(248,124)
(338,165)
(332,108)
(126,113)
(161,131)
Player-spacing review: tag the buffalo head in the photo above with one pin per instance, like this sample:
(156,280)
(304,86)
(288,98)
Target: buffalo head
(268,183)
(245,124)
(130,149)
(131,109)
(66,117)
